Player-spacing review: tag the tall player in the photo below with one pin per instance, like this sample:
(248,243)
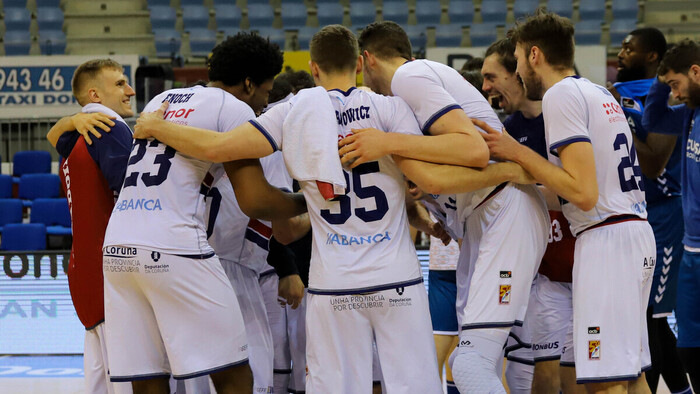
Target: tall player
(493,289)
(92,175)
(593,168)
(169,305)
(680,70)
(660,161)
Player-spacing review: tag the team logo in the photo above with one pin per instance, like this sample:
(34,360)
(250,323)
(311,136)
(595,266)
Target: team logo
(506,274)
(399,290)
(594,350)
(155,256)
(465,342)
(504,294)
(594,330)
(628,102)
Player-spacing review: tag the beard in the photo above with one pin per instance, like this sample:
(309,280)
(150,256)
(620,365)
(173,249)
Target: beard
(693,99)
(631,74)
(534,88)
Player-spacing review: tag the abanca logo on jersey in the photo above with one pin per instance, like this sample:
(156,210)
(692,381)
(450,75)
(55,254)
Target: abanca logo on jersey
(349,240)
(138,204)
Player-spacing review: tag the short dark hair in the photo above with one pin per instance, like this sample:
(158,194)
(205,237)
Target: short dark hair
(651,39)
(551,33)
(301,79)
(475,78)
(89,71)
(386,39)
(504,49)
(680,58)
(473,64)
(280,89)
(245,55)
(334,48)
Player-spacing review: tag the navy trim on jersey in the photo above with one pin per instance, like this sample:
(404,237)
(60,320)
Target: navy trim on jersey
(493,193)
(197,256)
(577,138)
(211,370)
(345,93)
(567,364)
(95,325)
(296,391)
(284,371)
(370,289)
(266,273)
(437,116)
(474,326)
(519,341)
(265,133)
(612,220)
(132,378)
(605,379)
(257,239)
(548,358)
(520,360)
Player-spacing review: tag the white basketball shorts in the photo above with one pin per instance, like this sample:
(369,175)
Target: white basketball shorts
(552,314)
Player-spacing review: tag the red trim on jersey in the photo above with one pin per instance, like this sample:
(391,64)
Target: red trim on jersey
(261,228)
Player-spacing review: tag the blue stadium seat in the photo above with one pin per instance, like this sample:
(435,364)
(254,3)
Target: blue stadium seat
(53,213)
(17,43)
(195,17)
(448,35)
(561,7)
(293,15)
(329,13)
(304,36)
(260,15)
(362,13)
(619,29)
(158,3)
(588,32)
(167,42)
(258,2)
(395,11)
(625,9)
(202,41)
(48,3)
(17,19)
(461,12)
(428,12)
(187,3)
(326,1)
(228,16)
(522,8)
(592,10)
(483,34)
(10,211)
(231,31)
(494,11)
(33,186)
(52,42)
(162,17)
(31,162)
(275,35)
(49,18)
(5,186)
(14,4)
(24,237)
(417,35)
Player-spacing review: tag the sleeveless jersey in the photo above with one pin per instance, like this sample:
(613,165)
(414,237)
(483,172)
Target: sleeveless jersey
(361,241)
(161,206)
(575,110)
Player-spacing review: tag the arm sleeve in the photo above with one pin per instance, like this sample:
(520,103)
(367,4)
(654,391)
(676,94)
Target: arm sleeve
(270,124)
(658,116)
(425,96)
(281,258)
(66,142)
(111,153)
(565,117)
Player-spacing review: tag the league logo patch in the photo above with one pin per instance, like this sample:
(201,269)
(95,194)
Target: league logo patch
(399,290)
(594,330)
(155,256)
(504,294)
(594,350)
(506,274)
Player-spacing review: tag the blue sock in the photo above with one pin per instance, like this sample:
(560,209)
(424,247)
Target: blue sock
(452,389)
(686,391)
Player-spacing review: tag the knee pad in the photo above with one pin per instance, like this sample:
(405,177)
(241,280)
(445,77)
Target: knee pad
(474,367)
(519,377)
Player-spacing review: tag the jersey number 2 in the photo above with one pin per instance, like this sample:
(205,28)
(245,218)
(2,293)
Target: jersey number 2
(626,162)
(163,161)
(361,192)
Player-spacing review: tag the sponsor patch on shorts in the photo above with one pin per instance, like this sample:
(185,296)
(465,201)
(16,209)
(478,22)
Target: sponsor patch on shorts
(594,330)
(506,274)
(504,294)
(594,350)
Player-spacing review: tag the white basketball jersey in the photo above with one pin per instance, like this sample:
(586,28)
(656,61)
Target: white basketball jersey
(432,89)
(361,241)
(161,206)
(575,110)
(444,208)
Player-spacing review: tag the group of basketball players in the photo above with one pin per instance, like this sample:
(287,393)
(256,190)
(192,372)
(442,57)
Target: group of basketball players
(186,284)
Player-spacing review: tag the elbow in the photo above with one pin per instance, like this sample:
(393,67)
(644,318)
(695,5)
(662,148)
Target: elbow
(481,160)
(283,237)
(586,201)
(214,155)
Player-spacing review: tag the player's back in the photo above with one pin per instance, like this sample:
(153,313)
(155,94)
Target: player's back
(161,206)
(576,110)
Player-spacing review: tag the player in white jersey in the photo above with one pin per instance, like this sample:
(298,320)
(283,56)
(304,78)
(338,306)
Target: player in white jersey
(492,287)
(593,168)
(168,302)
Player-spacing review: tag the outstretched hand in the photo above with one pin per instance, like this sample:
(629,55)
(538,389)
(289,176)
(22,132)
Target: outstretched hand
(290,291)
(362,146)
(501,144)
(149,121)
(87,123)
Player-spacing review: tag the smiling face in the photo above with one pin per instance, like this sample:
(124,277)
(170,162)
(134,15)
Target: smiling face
(534,87)
(501,84)
(114,92)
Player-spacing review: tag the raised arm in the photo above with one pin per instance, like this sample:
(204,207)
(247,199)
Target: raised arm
(83,123)
(658,116)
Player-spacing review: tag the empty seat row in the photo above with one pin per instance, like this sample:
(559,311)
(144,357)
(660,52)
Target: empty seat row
(52,212)
(50,18)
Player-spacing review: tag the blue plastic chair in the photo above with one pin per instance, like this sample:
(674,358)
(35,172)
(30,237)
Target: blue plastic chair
(461,12)
(561,7)
(10,211)
(31,162)
(167,42)
(428,12)
(619,29)
(17,43)
(53,213)
(17,19)
(5,186)
(163,17)
(275,35)
(228,16)
(625,9)
(483,34)
(362,13)
(592,10)
(202,41)
(33,186)
(395,11)
(448,35)
(304,36)
(158,3)
(48,3)
(195,17)
(49,18)
(522,8)
(417,35)
(588,32)
(329,13)
(14,4)
(52,42)
(293,15)
(260,15)
(494,11)
(187,3)
(23,237)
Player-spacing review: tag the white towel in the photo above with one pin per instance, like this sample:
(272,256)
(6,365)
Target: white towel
(310,142)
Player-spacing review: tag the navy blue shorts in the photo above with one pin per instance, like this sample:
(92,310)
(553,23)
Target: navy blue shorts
(687,310)
(442,298)
(666,219)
